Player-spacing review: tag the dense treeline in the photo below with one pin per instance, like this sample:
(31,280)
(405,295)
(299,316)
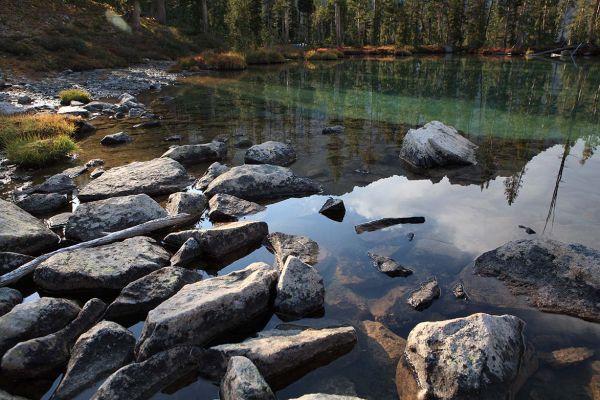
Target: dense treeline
(461,23)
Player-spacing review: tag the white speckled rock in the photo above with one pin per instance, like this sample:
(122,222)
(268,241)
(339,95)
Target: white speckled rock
(436,145)
(271,152)
(284,245)
(243,381)
(300,290)
(192,203)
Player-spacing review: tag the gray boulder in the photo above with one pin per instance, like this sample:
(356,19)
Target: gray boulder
(23,233)
(47,354)
(243,381)
(422,298)
(39,203)
(11,261)
(144,294)
(75,171)
(58,221)
(477,357)
(95,219)
(192,203)
(116,138)
(215,169)
(34,319)
(275,153)
(108,267)
(555,276)
(154,177)
(284,245)
(334,209)
(437,145)
(203,311)
(197,153)
(99,106)
(256,182)
(388,266)
(97,353)
(8,299)
(59,183)
(24,99)
(224,207)
(300,290)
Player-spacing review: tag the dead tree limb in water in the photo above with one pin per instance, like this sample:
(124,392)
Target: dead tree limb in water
(141,229)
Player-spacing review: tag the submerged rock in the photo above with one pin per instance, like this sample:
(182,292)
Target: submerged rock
(392,344)
(154,177)
(8,299)
(97,218)
(243,381)
(99,352)
(476,357)
(436,145)
(59,183)
(567,357)
(215,169)
(255,182)
(203,311)
(11,261)
(116,138)
(108,267)
(197,153)
(192,203)
(459,291)
(388,266)
(47,354)
(555,276)
(284,245)
(300,290)
(271,152)
(144,294)
(334,209)
(40,203)
(224,207)
(422,298)
(23,233)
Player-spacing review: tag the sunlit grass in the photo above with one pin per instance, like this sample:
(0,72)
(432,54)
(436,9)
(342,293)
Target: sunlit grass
(228,61)
(41,125)
(264,56)
(35,151)
(82,96)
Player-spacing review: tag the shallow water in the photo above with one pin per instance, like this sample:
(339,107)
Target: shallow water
(537,126)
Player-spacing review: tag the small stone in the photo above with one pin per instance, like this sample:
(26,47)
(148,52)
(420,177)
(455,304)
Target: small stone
(173,138)
(58,221)
(24,99)
(459,291)
(389,266)
(192,203)
(97,172)
(96,162)
(116,138)
(271,152)
(334,209)
(422,298)
(197,153)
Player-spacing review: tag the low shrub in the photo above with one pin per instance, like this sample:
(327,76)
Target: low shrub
(13,127)
(264,56)
(36,151)
(229,61)
(56,42)
(66,96)
(322,55)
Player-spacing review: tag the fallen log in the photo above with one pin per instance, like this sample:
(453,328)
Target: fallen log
(386,222)
(141,229)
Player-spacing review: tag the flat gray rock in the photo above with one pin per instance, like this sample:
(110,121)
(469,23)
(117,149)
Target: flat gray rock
(77,111)
(203,311)
(215,169)
(556,277)
(224,207)
(271,152)
(154,177)
(95,219)
(144,294)
(284,245)
(300,290)
(197,153)
(243,381)
(11,261)
(59,183)
(58,221)
(8,299)
(20,232)
(437,145)
(192,203)
(40,203)
(97,353)
(108,267)
(422,298)
(256,182)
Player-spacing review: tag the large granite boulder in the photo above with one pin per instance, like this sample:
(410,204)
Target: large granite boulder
(197,153)
(45,355)
(97,353)
(203,311)
(154,177)
(274,153)
(109,267)
(95,219)
(8,299)
(437,145)
(20,232)
(256,182)
(215,169)
(34,319)
(300,290)
(243,381)
(476,357)
(41,203)
(284,245)
(224,207)
(554,276)
(146,293)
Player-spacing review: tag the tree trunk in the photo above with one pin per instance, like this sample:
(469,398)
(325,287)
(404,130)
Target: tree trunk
(160,10)
(593,22)
(135,16)
(338,24)
(205,16)
(286,25)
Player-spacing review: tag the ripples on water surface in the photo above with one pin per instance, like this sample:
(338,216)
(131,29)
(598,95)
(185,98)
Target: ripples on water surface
(536,123)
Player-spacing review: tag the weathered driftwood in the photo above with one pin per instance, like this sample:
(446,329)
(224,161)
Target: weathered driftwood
(142,229)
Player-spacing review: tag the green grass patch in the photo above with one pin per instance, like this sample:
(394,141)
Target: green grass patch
(264,56)
(34,151)
(228,61)
(66,96)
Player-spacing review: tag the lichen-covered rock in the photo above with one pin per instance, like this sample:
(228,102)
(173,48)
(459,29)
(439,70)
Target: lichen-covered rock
(555,276)
(388,266)
(271,152)
(142,295)
(202,311)
(284,245)
(476,357)
(20,232)
(95,219)
(34,319)
(300,290)
(422,298)
(224,207)
(197,153)
(97,353)
(47,354)
(8,299)
(436,145)
(256,182)
(10,261)
(41,203)
(108,267)
(192,203)
(215,169)
(243,381)
(154,177)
